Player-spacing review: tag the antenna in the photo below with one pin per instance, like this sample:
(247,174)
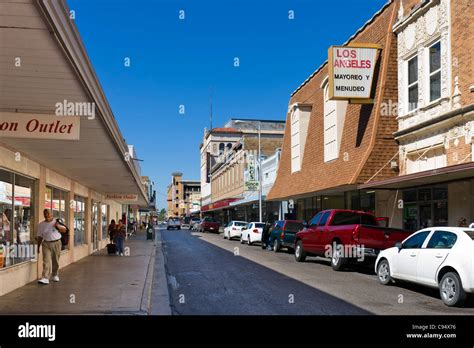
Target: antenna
(210,100)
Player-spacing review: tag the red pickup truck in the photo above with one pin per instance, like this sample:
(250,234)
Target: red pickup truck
(210,225)
(345,235)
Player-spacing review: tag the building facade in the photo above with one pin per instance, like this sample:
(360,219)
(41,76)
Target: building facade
(435,115)
(332,146)
(184,196)
(86,179)
(231,197)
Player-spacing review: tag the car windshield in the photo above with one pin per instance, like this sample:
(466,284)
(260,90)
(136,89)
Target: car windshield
(209,220)
(240,223)
(260,225)
(294,226)
(470,233)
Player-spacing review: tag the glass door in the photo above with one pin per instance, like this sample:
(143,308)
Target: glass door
(95,226)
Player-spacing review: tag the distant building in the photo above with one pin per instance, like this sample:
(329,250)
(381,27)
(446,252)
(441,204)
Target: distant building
(184,196)
(226,155)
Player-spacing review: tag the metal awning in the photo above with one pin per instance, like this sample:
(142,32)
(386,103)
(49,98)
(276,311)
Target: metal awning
(55,67)
(429,177)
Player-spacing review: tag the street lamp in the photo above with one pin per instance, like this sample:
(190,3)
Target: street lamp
(259,129)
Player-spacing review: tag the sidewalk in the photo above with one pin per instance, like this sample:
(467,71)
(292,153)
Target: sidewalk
(97,284)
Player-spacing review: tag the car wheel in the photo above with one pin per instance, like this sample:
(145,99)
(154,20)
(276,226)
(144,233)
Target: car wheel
(241,239)
(300,254)
(451,291)
(383,272)
(225,237)
(248,240)
(276,245)
(338,262)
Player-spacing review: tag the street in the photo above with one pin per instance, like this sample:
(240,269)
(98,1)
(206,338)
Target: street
(206,277)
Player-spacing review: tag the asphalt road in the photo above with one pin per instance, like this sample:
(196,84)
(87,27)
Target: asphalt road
(208,275)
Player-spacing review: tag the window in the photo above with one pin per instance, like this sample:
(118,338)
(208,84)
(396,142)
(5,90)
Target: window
(422,160)
(57,201)
(416,241)
(314,221)
(299,121)
(435,71)
(442,240)
(79,220)
(349,218)
(324,218)
(413,84)
(105,220)
(16,218)
(294,226)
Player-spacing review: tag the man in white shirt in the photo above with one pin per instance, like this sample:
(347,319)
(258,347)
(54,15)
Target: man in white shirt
(49,236)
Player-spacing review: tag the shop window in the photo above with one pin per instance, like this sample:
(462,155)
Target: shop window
(435,71)
(413,83)
(16,219)
(105,220)
(79,205)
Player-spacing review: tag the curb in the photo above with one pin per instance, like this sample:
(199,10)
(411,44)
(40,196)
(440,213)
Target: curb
(161,304)
(147,289)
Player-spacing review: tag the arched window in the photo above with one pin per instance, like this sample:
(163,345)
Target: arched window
(221,148)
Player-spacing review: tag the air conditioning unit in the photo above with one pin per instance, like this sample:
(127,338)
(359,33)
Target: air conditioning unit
(394,165)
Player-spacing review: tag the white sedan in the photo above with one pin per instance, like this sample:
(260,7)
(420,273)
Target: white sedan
(438,257)
(234,229)
(252,233)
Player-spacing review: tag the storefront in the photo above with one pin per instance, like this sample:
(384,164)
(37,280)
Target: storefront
(79,170)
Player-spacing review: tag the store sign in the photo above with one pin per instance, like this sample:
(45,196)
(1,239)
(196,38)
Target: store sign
(122,197)
(39,126)
(251,182)
(351,71)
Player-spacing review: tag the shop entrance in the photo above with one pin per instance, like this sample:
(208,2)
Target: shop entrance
(95,226)
(425,207)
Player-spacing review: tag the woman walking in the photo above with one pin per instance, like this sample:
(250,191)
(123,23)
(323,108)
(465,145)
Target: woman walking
(111,230)
(120,235)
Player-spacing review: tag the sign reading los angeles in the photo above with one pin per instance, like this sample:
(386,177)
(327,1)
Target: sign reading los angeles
(39,126)
(351,71)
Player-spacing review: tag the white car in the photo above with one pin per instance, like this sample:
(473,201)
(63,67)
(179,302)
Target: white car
(234,229)
(438,257)
(252,233)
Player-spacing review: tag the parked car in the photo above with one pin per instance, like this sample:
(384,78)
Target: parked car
(283,234)
(209,224)
(173,223)
(252,233)
(194,222)
(438,257)
(234,229)
(345,235)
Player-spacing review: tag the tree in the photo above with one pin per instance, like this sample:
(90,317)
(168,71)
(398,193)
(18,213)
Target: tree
(162,214)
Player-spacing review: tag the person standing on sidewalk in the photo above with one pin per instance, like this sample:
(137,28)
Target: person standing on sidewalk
(49,236)
(120,235)
(112,229)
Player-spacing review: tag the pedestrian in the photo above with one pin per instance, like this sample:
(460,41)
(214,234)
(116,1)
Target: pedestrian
(49,237)
(462,222)
(111,230)
(266,236)
(120,235)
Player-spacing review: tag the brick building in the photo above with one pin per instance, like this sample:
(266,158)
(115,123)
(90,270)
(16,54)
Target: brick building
(184,196)
(330,147)
(435,114)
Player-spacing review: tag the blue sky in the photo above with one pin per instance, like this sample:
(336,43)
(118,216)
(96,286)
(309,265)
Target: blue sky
(177,62)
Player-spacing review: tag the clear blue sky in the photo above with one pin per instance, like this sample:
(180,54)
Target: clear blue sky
(175,62)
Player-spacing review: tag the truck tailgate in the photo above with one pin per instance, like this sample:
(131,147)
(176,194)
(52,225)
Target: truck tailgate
(380,237)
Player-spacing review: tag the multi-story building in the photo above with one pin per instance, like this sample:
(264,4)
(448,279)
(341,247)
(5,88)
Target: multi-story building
(77,166)
(230,198)
(184,196)
(435,114)
(332,146)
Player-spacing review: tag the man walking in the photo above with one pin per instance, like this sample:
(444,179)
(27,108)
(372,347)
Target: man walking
(49,235)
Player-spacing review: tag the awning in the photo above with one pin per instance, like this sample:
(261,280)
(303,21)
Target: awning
(219,205)
(429,177)
(250,198)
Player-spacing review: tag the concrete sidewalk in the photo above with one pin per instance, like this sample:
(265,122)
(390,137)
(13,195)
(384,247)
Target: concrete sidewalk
(97,284)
